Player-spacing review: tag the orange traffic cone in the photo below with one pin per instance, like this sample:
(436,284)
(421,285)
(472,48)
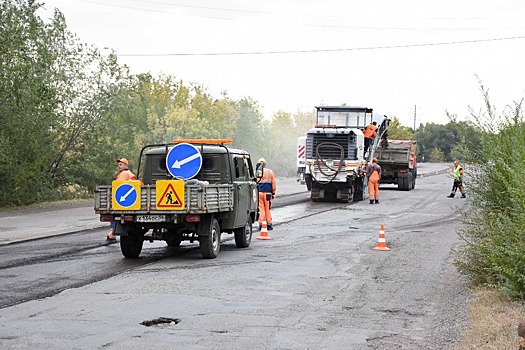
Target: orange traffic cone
(264,232)
(381,242)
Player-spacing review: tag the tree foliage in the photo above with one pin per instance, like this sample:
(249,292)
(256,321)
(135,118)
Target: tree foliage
(398,131)
(28,100)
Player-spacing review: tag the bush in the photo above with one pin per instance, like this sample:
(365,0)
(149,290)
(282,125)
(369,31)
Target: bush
(494,253)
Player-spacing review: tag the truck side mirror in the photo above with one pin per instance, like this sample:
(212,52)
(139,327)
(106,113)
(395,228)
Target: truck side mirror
(259,167)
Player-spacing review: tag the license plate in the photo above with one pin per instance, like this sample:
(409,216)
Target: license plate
(151,218)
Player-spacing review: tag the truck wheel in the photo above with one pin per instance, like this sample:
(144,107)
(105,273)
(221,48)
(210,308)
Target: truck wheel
(360,189)
(131,245)
(210,242)
(403,184)
(243,235)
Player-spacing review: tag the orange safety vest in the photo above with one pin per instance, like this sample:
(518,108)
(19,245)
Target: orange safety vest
(267,182)
(370,131)
(126,175)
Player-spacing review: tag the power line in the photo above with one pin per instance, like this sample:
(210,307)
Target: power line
(224,9)
(319,50)
(317,15)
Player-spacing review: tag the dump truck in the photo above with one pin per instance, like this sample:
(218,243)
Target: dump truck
(190,190)
(398,161)
(335,157)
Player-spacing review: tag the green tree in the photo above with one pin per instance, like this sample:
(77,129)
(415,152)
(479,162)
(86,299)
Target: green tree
(248,133)
(280,145)
(431,136)
(29,97)
(437,156)
(53,94)
(398,131)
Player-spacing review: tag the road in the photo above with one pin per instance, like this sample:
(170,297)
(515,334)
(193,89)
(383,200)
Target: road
(318,284)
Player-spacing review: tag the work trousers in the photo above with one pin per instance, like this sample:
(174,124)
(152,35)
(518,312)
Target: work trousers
(458,185)
(373,185)
(265,214)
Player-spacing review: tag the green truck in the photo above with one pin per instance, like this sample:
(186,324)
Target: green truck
(191,190)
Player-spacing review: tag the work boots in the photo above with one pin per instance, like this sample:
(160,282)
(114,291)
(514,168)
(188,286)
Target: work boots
(371,201)
(463,195)
(377,201)
(451,195)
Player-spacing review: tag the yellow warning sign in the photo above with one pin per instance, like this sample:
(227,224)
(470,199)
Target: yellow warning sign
(125,195)
(170,194)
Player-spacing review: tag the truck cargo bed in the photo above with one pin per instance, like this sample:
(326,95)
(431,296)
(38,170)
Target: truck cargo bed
(197,200)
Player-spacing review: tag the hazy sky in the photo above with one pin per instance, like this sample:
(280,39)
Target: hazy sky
(292,55)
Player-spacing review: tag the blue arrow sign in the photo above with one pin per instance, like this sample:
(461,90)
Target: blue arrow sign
(184,161)
(126,195)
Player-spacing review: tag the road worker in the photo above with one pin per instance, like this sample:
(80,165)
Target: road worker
(373,171)
(457,174)
(266,186)
(369,132)
(124,174)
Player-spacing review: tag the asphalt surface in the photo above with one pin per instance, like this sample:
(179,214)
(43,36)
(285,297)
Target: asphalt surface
(55,219)
(318,284)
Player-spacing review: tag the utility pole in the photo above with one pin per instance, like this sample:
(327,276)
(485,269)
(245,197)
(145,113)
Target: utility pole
(415,107)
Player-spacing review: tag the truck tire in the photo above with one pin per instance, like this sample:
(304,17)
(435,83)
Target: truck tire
(403,183)
(131,244)
(243,235)
(210,242)
(360,190)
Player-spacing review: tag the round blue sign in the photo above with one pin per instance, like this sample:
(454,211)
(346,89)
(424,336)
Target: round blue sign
(126,195)
(184,161)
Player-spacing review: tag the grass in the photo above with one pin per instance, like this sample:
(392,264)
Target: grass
(493,322)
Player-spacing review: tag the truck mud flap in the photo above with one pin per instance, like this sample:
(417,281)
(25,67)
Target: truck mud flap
(204,228)
(120,229)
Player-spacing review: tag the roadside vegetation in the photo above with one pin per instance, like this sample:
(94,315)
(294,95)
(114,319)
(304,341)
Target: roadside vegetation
(493,253)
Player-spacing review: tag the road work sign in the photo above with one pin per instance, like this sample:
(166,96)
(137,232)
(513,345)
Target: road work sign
(169,194)
(184,161)
(125,195)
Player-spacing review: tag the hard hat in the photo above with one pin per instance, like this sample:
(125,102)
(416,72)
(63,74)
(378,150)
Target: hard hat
(262,160)
(123,160)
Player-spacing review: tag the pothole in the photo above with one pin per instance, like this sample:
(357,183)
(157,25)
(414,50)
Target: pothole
(160,320)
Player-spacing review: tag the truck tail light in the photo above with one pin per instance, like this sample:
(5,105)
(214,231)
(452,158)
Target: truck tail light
(128,218)
(106,218)
(403,171)
(193,218)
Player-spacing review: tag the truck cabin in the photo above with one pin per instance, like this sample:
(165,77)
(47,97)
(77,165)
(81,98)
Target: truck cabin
(343,117)
(220,164)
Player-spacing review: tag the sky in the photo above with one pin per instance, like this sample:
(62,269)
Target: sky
(412,59)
